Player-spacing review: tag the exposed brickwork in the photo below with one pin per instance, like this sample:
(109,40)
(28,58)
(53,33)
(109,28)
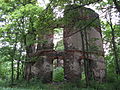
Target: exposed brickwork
(73,42)
(73,55)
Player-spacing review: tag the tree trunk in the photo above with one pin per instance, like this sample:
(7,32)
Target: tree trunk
(12,62)
(115,49)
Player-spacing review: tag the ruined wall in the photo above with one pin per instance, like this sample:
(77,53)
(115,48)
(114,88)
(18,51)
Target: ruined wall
(82,22)
(82,41)
(40,65)
(44,66)
(42,69)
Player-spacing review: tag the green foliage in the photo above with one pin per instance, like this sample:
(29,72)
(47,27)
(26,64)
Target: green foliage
(24,20)
(5,72)
(2,88)
(64,2)
(107,37)
(111,84)
(36,84)
(58,74)
(59,45)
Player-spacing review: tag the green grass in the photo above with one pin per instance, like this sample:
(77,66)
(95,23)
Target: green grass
(2,88)
(35,84)
(58,74)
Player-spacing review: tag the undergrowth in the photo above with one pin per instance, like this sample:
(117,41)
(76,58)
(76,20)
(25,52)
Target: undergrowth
(112,83)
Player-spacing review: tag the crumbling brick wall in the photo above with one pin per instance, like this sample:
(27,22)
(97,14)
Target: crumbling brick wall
(82,30)
(82,41)
(40,64)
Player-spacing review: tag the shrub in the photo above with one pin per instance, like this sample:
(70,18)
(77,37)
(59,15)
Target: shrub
(58,74)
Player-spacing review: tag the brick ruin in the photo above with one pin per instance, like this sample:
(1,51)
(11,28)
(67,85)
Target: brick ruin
(83,48)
